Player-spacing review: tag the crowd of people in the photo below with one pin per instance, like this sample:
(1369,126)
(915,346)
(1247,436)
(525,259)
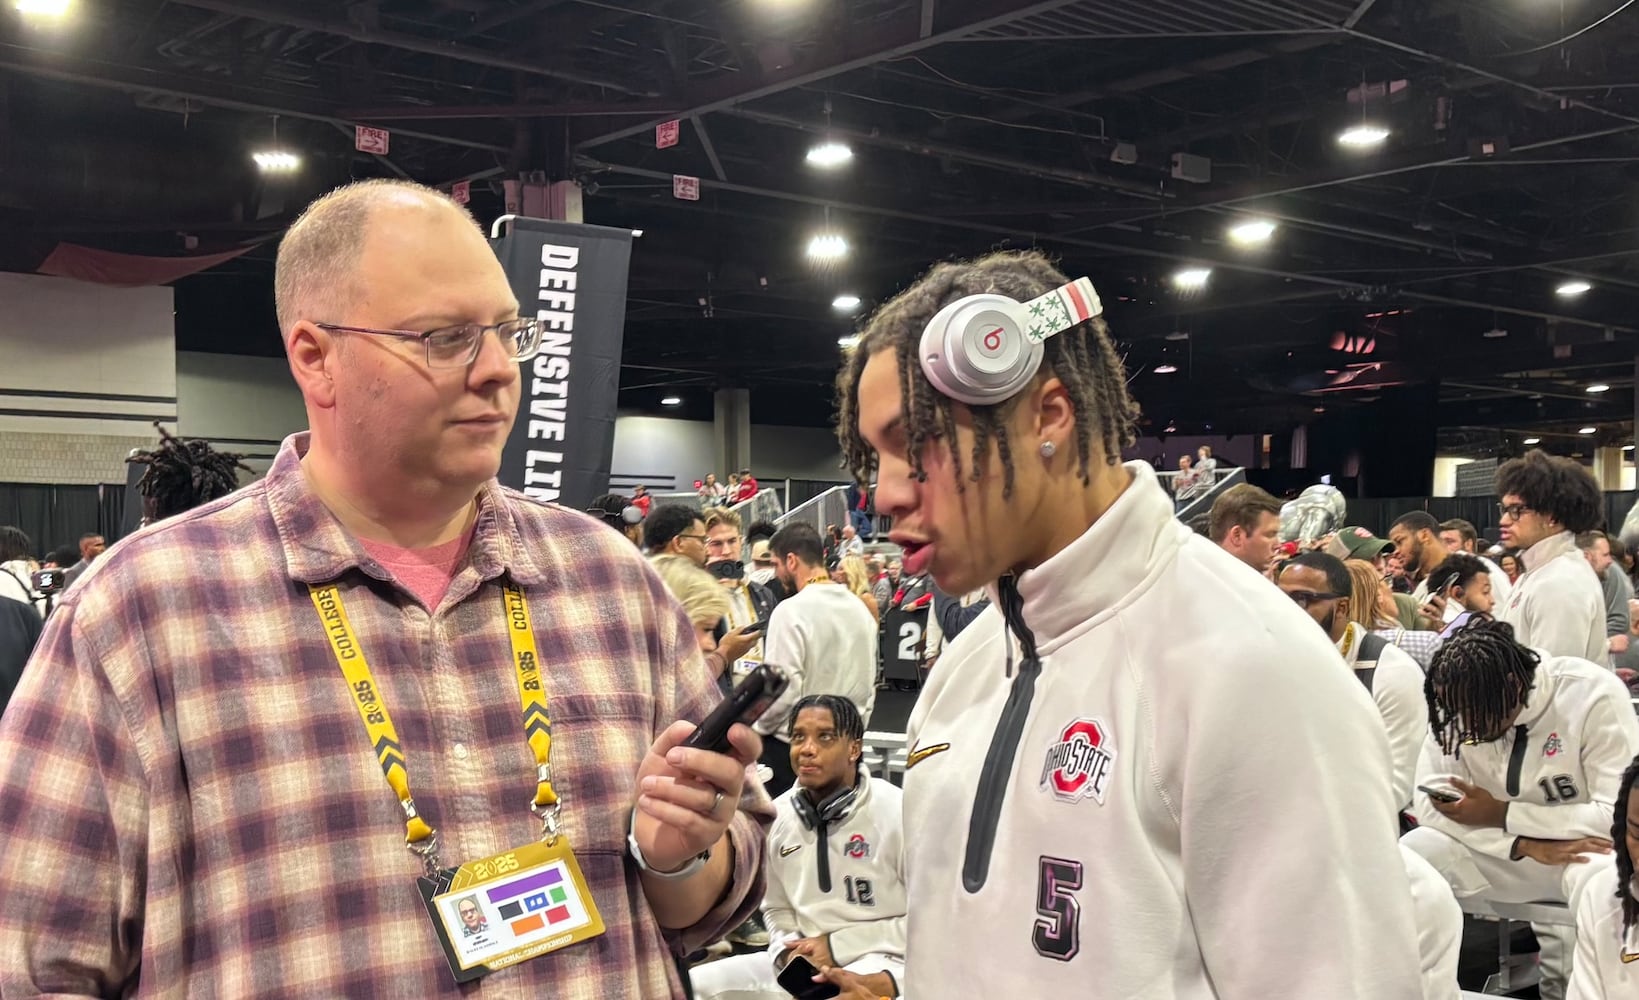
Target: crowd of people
(1150,759)
(741,486)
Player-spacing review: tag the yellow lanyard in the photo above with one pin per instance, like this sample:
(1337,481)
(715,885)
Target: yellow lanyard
(419,836)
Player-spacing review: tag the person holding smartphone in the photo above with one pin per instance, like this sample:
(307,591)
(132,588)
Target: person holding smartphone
(836,882)
(1533,746)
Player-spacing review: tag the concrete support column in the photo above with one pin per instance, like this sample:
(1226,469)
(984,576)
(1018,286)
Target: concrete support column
(731,431)
(1607,467)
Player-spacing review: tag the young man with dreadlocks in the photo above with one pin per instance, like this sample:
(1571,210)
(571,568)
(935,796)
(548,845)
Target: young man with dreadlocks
(836,880)
(181,474)
(1558,605)
(1607,918)
(1535,746)
(1131,675)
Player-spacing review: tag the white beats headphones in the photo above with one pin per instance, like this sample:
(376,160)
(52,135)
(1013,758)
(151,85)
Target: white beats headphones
(982,349)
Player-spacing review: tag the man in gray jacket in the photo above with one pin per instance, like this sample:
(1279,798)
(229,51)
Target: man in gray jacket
(1618,589)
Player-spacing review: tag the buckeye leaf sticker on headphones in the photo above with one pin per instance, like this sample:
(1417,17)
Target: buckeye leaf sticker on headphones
(1061,309)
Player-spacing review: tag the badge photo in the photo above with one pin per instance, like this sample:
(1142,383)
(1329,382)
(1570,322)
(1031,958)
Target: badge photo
(507,909)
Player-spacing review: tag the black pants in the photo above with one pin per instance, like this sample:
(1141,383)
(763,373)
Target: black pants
(777,755)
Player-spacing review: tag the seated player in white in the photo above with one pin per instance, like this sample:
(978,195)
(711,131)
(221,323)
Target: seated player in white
(1320,584)
(836,883)
(1534,747)
(1607,917)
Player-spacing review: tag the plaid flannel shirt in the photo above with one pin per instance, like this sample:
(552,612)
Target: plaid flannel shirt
(189,806)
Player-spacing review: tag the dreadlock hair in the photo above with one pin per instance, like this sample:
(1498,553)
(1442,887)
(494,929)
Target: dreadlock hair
(1481,675)
(182,474)
(1083,358)
(1624,862)
(843,713)
(14,544)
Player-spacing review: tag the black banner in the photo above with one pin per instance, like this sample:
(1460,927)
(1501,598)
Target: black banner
(573,278)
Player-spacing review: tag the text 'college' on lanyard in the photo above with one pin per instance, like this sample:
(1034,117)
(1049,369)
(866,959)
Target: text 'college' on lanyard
(419,835)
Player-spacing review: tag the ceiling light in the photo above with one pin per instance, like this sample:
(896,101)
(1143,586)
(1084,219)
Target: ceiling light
(672,401)
(1165,369)
(1627,447)
(1495,333)
(1178,335)
(1363,136)
(1571,289)
(1599,387)
(1191,279)
(829,155)
(1320,409)
(1588,430)
(845,303)
(1171,429)
(827,246)
(1252,231)
(847,341)
(276,161)
(43,8)
(1533,440)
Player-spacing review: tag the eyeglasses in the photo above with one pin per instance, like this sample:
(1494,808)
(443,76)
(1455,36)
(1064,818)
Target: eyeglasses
(458,346)
(1304,598)
(1513,511)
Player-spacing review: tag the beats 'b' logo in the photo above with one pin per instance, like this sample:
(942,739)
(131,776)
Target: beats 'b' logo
(1079,764)
(993,340)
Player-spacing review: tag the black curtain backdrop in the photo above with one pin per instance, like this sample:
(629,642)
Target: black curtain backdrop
(54,516)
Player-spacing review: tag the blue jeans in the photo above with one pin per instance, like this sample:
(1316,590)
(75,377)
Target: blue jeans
(861,522)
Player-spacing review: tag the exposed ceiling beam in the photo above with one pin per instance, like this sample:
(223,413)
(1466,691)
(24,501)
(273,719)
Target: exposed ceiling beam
(1507,81)
(581,109)
(1080,178)
(1411,162)
(1515,311)
(1359,12)
(507,15)
(273,14)
(1189,256)
(1172,74)
(897,37)
(215,94)
(705,144)
(980,227)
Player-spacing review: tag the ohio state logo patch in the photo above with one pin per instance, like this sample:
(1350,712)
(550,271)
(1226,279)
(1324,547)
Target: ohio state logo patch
(1554,747)
(1079,764)
(857,847)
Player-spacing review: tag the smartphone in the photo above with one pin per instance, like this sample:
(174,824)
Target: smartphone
(1439,795)
(747,703)
(755,627)
(797,979)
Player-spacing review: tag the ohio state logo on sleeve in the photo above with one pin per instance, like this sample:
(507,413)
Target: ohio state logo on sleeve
(1080,763)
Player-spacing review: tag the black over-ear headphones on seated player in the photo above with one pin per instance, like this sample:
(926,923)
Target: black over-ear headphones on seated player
(982,349)
(833,808)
